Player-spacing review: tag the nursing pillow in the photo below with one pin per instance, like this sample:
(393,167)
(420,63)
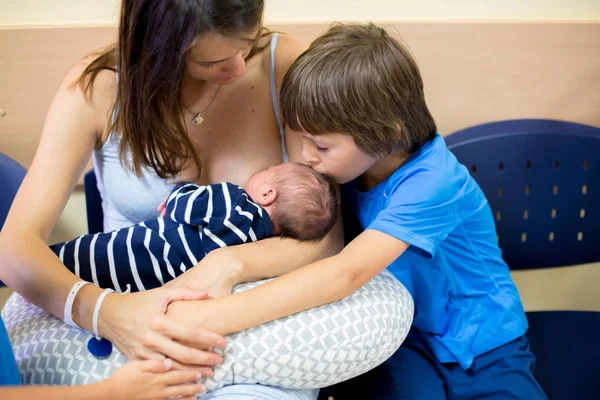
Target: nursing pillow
(311,349)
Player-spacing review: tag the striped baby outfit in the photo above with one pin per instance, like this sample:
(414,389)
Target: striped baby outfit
(199,219)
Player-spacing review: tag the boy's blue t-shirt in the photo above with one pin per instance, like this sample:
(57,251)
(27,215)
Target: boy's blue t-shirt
(9,375)
(465,300)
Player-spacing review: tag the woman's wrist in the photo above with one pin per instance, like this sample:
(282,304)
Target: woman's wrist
(106,316)
(83,306)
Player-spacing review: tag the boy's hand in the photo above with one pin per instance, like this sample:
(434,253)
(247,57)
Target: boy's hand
(152,380)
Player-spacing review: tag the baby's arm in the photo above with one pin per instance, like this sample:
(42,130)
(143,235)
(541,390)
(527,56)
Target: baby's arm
(185,197)
(76,255)
(319,283)
(195,205)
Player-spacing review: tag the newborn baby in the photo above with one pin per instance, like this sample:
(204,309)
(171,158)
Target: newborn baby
(289,200)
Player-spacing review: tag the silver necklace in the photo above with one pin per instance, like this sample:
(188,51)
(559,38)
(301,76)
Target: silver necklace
(198,118)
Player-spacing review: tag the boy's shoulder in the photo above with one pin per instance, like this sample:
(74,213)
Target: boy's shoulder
(433,166)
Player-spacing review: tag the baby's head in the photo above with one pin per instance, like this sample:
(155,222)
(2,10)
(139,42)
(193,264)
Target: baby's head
(301,203)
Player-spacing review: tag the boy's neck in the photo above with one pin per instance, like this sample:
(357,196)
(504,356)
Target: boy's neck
(381,170)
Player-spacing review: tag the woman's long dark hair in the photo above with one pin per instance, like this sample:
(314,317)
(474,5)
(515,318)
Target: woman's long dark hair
(150,57)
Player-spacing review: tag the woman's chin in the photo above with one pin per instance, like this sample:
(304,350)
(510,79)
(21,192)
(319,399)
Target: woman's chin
(222,81)
(230,80)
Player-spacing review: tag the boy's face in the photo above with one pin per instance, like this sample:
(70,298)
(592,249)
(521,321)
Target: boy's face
(336,155)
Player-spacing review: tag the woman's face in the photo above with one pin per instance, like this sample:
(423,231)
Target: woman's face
(218,59)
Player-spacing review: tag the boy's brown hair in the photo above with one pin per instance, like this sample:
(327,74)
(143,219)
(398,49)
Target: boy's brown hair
(358,80)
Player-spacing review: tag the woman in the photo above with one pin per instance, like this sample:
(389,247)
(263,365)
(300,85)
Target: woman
(188,92)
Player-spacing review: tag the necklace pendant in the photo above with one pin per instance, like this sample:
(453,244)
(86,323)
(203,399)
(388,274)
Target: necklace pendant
(198,119)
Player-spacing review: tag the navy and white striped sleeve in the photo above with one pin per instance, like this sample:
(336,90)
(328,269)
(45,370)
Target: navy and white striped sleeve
(190,204)
(235,219)
(224,213)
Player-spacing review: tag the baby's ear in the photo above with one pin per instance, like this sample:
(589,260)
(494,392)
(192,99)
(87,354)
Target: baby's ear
(268,196)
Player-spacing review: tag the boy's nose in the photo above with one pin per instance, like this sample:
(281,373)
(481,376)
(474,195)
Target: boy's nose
(310,156)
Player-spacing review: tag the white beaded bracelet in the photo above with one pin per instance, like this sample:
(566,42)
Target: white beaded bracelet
(68,317)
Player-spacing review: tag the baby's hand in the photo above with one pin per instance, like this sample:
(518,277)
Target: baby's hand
(153,380)
(162,208)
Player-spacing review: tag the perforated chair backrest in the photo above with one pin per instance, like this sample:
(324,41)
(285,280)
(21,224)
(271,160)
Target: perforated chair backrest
(542,180)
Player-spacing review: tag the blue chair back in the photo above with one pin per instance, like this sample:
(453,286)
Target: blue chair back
(93,203)
(11,175)
(542,180)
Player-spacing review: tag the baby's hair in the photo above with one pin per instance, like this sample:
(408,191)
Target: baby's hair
(358,80)
(307,205)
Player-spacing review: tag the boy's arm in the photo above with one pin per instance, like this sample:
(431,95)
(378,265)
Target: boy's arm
(316,284)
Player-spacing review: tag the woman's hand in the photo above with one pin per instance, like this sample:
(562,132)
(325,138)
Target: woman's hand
(137,325)
(152,380)
(216,274)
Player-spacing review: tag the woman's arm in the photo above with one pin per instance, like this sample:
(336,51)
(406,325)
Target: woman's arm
(316,284)
(73,127)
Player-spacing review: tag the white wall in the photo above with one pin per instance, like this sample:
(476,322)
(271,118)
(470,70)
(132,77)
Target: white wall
(59,12)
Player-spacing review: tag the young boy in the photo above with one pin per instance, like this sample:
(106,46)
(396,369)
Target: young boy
(356,96)
(290,200)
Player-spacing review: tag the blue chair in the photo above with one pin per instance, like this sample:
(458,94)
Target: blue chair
(93,203)
(11,175)
(542,180)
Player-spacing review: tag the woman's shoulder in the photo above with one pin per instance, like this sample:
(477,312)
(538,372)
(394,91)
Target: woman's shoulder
(103,84)
(98,90)
(287,51)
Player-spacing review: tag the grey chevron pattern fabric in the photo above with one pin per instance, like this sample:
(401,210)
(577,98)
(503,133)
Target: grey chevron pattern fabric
(312,349)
